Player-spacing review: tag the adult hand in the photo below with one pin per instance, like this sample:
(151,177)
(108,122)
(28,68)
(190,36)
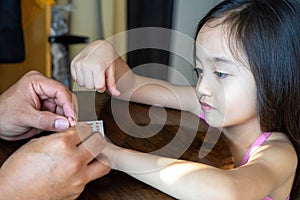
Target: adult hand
(36,103)
(94,67)
(57,166)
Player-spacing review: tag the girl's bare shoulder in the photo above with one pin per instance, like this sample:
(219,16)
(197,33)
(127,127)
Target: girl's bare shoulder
(278,148)
(280,140)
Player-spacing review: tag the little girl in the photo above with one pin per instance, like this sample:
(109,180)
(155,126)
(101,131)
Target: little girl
(247,58)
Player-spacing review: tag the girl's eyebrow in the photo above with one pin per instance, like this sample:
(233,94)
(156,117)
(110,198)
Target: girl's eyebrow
(217,60)
(222,60)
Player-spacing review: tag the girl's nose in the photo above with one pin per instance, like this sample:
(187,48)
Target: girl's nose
(202,87)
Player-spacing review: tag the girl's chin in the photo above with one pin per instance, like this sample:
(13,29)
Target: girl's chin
(214,121)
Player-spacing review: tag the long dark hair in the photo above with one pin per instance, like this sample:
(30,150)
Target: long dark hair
(268,32)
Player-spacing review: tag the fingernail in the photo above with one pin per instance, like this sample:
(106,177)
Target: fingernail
(116,92)
(61,124)
(72,121)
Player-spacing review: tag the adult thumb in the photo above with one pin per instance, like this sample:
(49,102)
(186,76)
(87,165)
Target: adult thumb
(49,121)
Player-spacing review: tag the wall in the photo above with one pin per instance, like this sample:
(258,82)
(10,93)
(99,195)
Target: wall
(85,20)
(36,21)
(98,19)
(187,14)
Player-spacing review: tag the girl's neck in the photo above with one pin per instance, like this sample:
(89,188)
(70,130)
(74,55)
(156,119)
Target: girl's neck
(241,137)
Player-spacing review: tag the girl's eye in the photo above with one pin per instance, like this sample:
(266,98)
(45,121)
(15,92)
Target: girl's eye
(220,75)
(199,71)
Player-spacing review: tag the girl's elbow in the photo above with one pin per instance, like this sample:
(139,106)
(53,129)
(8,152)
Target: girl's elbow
(229,190)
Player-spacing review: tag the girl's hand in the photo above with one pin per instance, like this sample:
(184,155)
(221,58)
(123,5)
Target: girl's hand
(94,67)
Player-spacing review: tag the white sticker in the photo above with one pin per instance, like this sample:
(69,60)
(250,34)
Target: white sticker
(96,126)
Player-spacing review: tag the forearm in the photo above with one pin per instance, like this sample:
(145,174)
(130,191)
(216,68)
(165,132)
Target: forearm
(178,178)
(162,93)
(154,91)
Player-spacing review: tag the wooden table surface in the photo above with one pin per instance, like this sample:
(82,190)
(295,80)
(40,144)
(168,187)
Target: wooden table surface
(155,130)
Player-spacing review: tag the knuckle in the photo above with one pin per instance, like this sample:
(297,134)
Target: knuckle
(106,170)
(74,166)
(95,144)
(79,184)
(89,86)
(73,63)
(99,139)
(62,143)
(101,89)
(33,73)
(43,123)
(80,82)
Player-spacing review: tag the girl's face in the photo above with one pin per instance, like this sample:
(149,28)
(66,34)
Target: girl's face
(226,87)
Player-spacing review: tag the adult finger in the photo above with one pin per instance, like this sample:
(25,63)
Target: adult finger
(92,146)
(49,88)
(49,121)
(52,106)
(82,132)
(75,110)
(32,132)
(96,169)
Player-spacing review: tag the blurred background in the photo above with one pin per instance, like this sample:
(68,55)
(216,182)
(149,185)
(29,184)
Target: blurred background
(51,33)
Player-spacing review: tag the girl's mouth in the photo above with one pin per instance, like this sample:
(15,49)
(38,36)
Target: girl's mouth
(206,106)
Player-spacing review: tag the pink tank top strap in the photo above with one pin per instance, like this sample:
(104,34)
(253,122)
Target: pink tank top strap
(267,198)
(202,116)
(258,142)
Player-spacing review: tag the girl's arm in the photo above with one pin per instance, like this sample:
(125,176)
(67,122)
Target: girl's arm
(154,91)
(190,180)
(99,67)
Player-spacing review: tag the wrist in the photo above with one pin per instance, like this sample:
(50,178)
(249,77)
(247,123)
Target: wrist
(112,152)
